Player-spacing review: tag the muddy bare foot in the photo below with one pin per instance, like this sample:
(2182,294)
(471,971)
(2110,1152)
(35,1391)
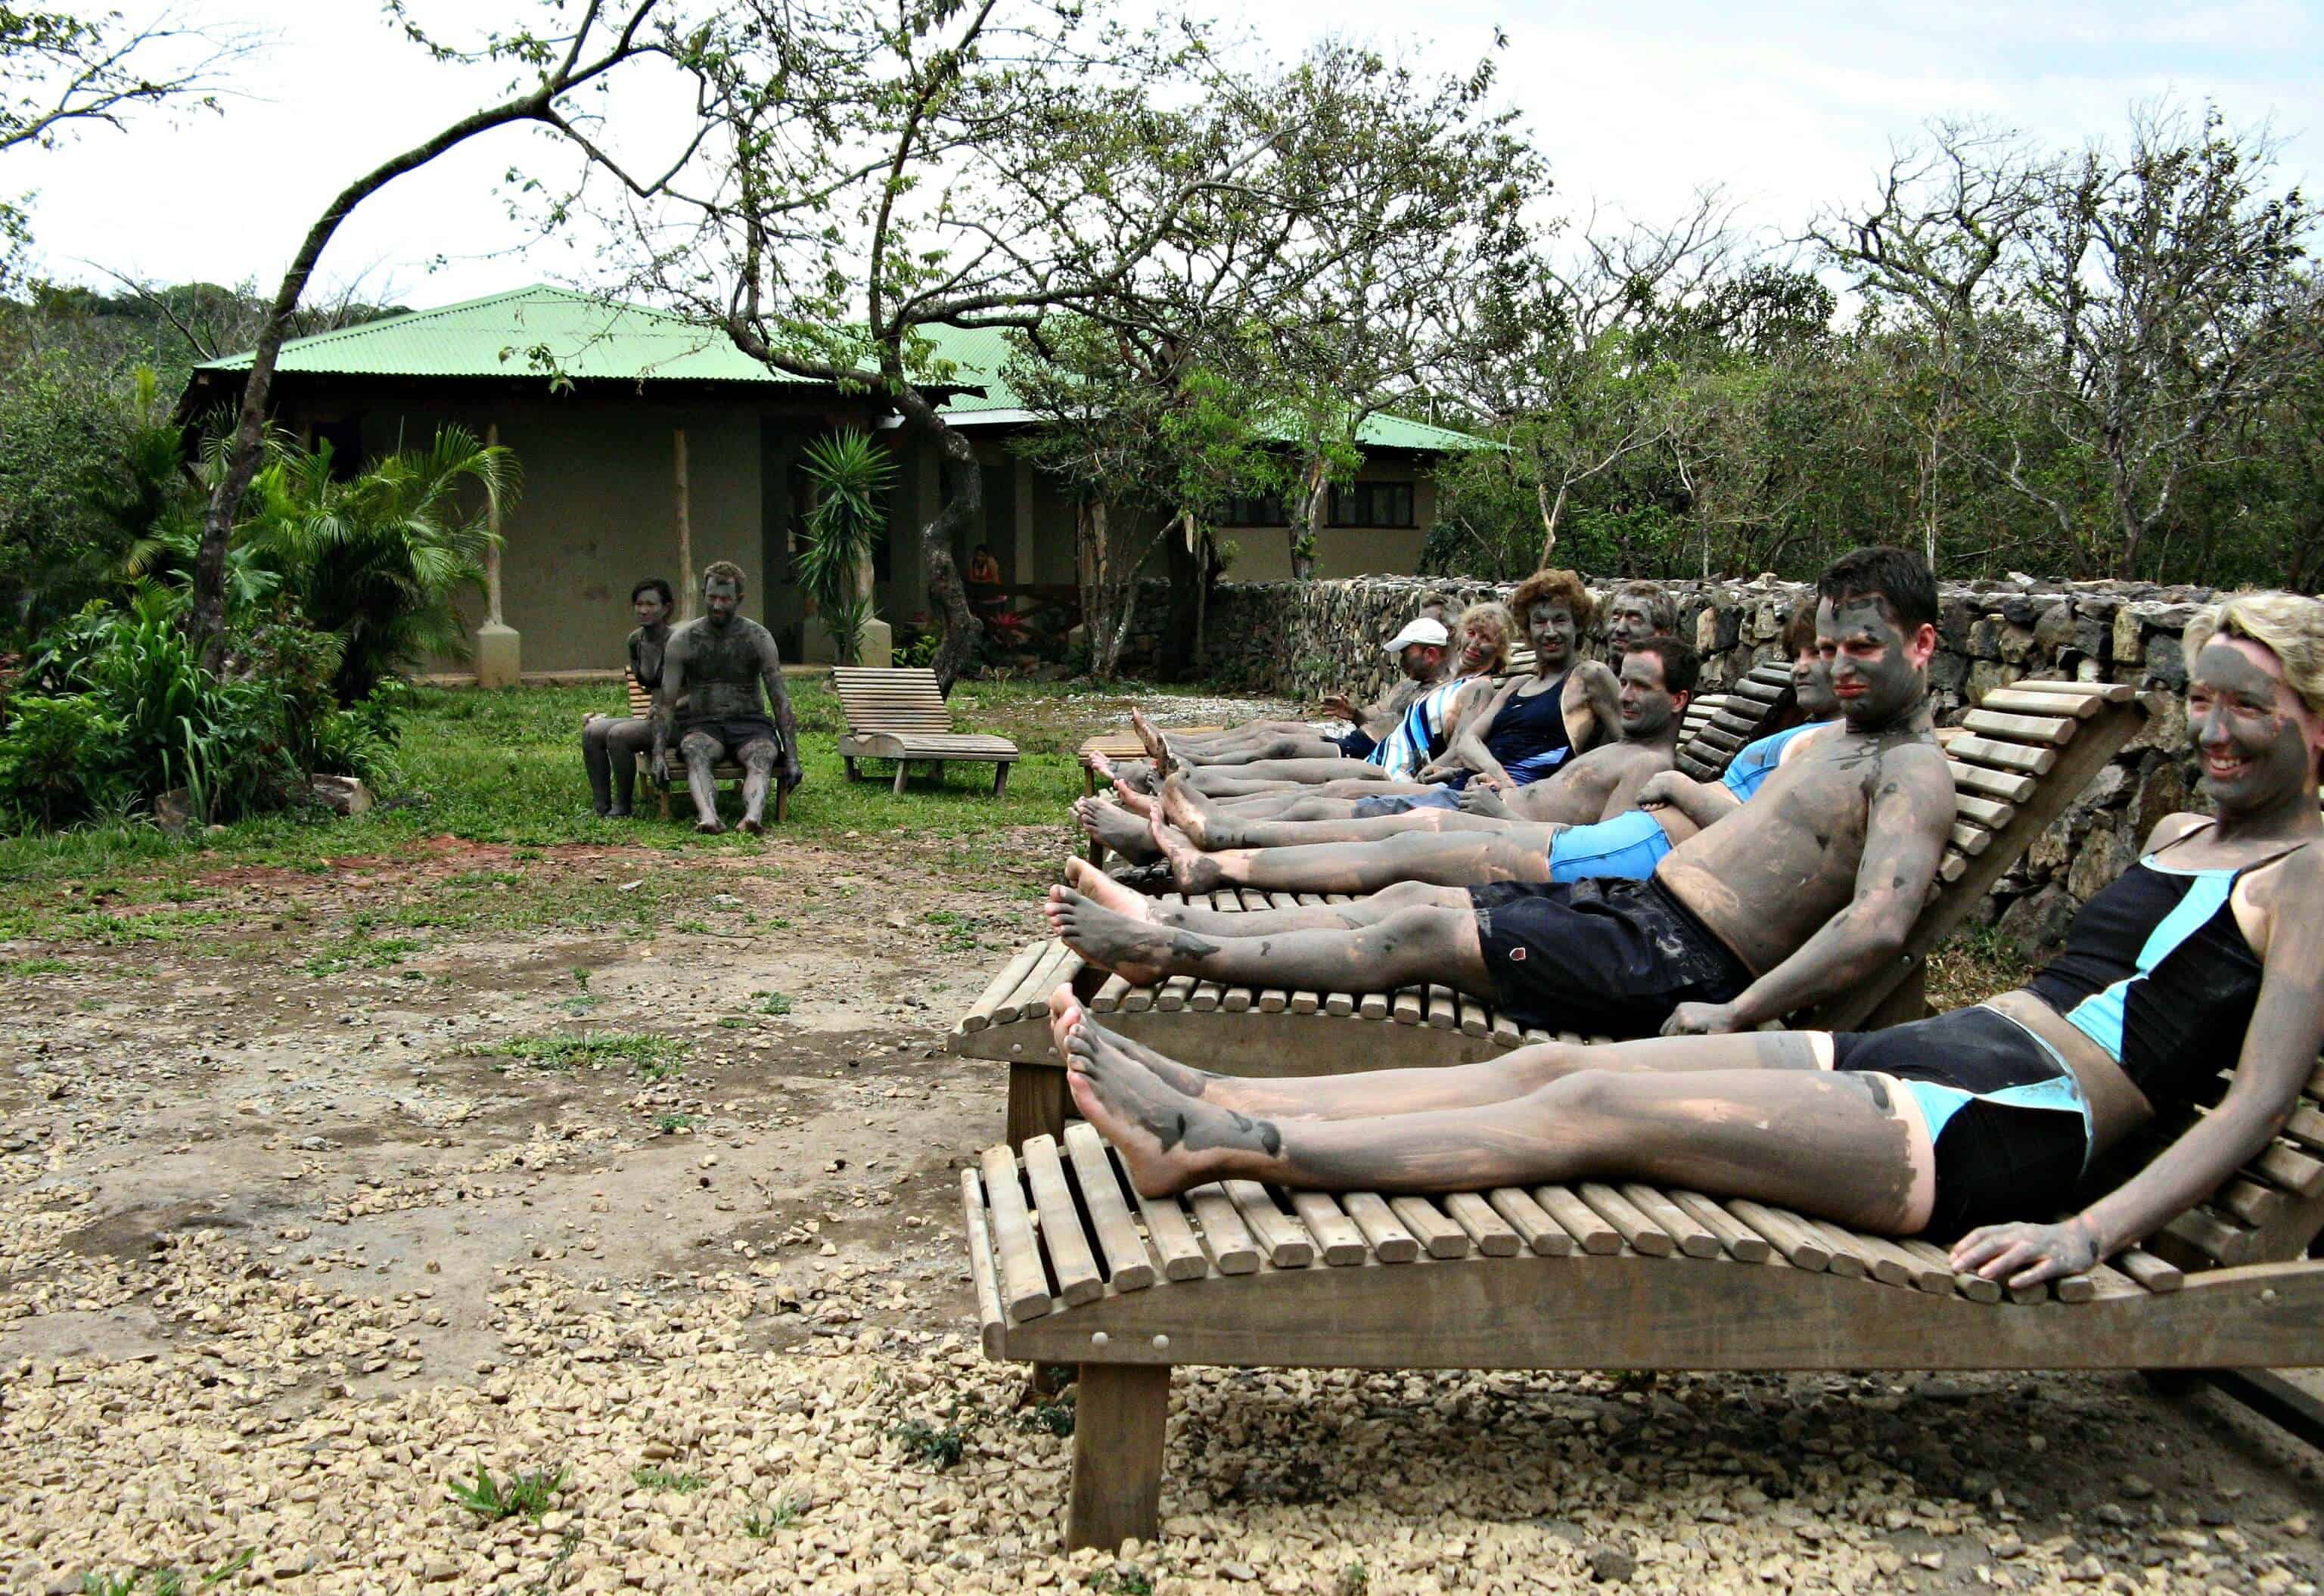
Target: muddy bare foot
(750,827)
(1144,805)
(709,828)
(1156,749)
(1106,892)
(1121,900)
(1168,1141)
(1117,827)
(1192,869)
(1138,951)
(1186,809)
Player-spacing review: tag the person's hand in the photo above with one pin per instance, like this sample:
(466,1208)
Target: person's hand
(1662,788)
(1701,1019)
(1337,705)
(661,767)
(2022,1254)
(790,775)
(1484,796)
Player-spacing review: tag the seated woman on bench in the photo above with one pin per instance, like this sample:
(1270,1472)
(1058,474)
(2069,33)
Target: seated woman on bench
(1976,1124)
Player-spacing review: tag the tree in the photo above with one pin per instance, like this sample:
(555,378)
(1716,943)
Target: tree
(851,474)
(556,67)
(61,73)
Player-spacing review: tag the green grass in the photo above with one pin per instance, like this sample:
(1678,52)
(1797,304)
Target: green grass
(527,1492)
(365,951)
(651,1478)
(503,767)
(653,1057)
(781,1511)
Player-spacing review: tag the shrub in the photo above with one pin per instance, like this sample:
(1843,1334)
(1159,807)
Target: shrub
(53,759)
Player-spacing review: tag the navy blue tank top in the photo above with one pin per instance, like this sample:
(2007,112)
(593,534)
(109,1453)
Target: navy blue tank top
(2156,970)
(1529,735)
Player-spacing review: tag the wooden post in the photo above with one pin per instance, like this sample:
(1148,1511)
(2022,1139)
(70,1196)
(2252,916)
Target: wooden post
(687,580)
(493,555)
(499,651)
(1036,1102)
(1117,1424)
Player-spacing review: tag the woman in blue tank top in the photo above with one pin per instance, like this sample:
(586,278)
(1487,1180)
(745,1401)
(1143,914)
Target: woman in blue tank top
(1976,1125)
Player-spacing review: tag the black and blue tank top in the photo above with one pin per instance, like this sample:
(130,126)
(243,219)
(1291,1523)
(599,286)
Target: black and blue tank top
(2156,970)
(1529,735)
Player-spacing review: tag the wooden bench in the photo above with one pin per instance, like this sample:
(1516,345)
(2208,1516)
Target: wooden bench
(897,714)
(1717,725)
(1071,1266)
(642,708)
(2018,761)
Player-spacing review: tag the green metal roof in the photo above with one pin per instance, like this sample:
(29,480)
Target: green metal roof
(541,330)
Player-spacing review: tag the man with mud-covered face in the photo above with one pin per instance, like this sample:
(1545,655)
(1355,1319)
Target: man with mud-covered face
(1791,899)
(718,663)
(1636,611)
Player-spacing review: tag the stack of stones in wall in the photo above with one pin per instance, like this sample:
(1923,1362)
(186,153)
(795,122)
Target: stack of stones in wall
(1304,639)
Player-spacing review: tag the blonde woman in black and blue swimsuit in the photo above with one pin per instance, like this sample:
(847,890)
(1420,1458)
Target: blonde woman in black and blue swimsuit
(1975,1125)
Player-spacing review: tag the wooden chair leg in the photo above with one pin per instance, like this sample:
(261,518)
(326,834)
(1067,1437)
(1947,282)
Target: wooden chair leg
(901,766)
(1036,1102)
(850,763)
(783,803)
(1119,1419)
(1001,779)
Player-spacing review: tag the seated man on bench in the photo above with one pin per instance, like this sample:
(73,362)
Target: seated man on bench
(1657,680)
(716,664)
(1976,1124)
(611,744)
(1781,904)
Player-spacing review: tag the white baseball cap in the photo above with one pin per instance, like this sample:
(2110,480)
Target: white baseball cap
(1421,630)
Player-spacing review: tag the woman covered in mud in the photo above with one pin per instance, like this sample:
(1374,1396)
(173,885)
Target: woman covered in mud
(1976,1124)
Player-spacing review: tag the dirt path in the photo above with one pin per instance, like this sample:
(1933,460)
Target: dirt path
(291,1240)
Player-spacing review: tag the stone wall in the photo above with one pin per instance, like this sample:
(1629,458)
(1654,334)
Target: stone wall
(1301,640)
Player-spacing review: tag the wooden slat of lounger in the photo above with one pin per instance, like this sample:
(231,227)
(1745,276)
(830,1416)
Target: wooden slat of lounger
(1531,1221)
(1307,1002)
(2055,700)
(1584,1224)
(2020,728)
(2107,1285)
(2256,1205)
(1408,1007)
(1391,1242)
(1761,692)
(1494,1237)
(1032,993)
(1801,1247)
(1993,784)
(2022,758)
(1273,1000)
(1441,1237)
(979,1013)
(1976,1288)
(1207,996)
(1506,1031)
(1238,1000)
(1890,1267)
(2212,1235)
(1474,1020)
(1340,1239)
(1024,1285)
(1744,726)
(1971,840)
(1110,995)
(2112,692)
(1984,812)
(2082,1287)
(1693,1238)
(1070,1257)
(1284,1238)
(1743,1244)
(1644,1235)
(1339,1004)
(1535,1036)
(1172,994)
(990,1320)
(1372,1005)
(1849,1261)
(1891,1263)
(1140,999)
(2150,1271)
(1127,1266)
(1443,1008)
(1172,1238)
(1727,743)
(1225,1237)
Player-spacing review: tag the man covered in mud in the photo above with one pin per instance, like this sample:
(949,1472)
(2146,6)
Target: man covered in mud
(1364,854)
(1786,901)
(611,744)
(1637,611)
(718,664)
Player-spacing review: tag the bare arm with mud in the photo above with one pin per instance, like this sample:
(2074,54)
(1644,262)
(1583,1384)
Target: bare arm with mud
(771,672)
(1594,708)
(1704,803)
(1905,822)
(666,697)
(1470,717)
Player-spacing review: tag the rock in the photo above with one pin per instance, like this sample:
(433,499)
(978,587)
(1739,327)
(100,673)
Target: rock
(2037,923)
(173,811)
(2137,1487)
(1240,1573)
(1611,1565)
(341,795)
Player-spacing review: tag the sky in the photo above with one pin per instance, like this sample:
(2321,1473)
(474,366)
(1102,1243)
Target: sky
(1786,105)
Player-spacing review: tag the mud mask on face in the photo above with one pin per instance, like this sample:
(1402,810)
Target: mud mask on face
(1811,690)
(2251,752)
(1549,627)
(1872,674)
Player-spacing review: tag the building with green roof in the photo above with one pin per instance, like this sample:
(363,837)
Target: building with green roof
(650,447)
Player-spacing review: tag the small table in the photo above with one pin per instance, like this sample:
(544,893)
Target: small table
(1118,746)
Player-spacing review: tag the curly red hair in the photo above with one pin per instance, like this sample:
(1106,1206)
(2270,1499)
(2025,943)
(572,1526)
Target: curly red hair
(1559,586)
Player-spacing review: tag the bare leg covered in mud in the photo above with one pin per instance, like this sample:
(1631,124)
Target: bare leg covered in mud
(1275,775)
(1125,832)
(1126,775)
(1512,852)
(1698,1113)
(1254,823)
(1399,938)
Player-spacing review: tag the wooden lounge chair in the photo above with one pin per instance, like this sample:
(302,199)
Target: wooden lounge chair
(1589,1276)
(899,714)
(2018,761)
(1717,725)
(642,708)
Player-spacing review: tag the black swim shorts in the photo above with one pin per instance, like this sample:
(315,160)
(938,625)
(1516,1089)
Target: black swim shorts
(735,732)
(1600,957)
(2009,1122)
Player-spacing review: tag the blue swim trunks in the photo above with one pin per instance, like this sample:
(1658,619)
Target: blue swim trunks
(1629,847)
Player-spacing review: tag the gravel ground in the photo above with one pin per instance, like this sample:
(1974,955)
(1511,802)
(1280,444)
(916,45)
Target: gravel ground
(287,1250)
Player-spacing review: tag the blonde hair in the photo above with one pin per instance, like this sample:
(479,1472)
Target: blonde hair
(2286,624)
(1496,614)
